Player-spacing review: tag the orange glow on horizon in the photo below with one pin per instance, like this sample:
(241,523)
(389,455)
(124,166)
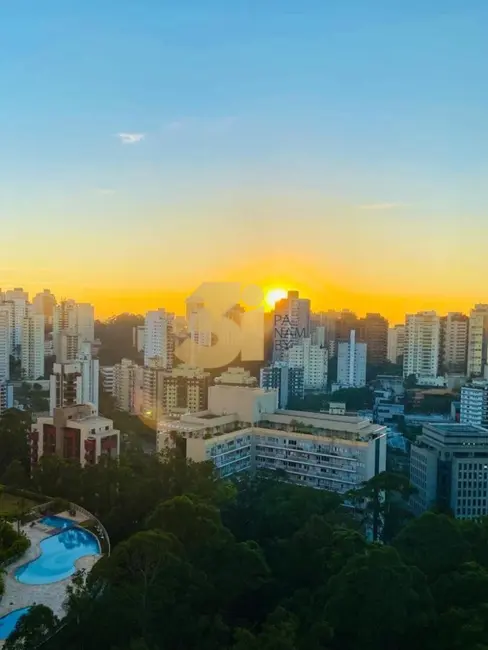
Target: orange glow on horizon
(272,296)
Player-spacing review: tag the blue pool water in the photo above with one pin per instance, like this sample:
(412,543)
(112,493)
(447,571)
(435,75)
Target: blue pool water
(58,556)
(8,622)
(57,522)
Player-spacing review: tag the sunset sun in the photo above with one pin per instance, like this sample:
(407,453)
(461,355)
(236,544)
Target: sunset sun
(273,296)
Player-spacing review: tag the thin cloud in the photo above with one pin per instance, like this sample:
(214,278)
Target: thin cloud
(105,191)
(381,206)
(131,138)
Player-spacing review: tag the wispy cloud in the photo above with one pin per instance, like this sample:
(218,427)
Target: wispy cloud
(131,138)
(381,206)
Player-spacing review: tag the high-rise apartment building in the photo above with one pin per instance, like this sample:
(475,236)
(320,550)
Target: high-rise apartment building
(351,363)
(158,338)
(477,341)
(44,304)
(73,323)
(314,361)
(449,468)
(18,298)
(75,382)
(454,342)
(6,396)
(289,382)
(396,343)
(291,324)
(76,433)
(345,324)
(128,386)
(474,403)
(153,408)
(422,345)
(373,330)
(32,346)
(5,345)
(185,390)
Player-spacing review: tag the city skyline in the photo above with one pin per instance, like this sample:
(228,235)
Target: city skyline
(315,150)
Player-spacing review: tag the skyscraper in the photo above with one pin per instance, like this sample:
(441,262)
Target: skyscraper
(396,343)
(18,299)
(291,324)
(75,382)
(351,363)
(73,320)
(44,303)
(158,338)
(454,342)
(289,382)
(373,330)
(477,341)
(32,346)
(422,344)
(5,344)
(314,361)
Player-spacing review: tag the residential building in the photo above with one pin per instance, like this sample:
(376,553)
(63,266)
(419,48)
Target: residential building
(324,451)
(6,396)
(138,334)
(44,304)
(345,324)
(73,323)
(422,345)
(18,299)
(107,377)
(396,343)
(32,346)
(351,363)
(158,339)
(449,469)
(5,345)
(477,341)
(124,376)
(236,377)
(288,381)
(291,324)
(153,380)
(74,433)
(474,403)
(185,390)
(314,361)
(373,330)
(66,345)
(75,382)
(454,342)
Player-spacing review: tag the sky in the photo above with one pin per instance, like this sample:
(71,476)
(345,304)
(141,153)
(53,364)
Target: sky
(338,148)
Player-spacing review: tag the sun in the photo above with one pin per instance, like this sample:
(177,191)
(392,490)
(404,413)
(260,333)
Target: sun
(273,296)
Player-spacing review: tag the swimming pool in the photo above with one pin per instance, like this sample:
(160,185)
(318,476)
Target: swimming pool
(8,622)
(57,522)
(58,556)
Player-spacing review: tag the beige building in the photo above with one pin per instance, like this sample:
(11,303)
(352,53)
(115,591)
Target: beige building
(454,342)
(396,343)
(478,341)
(236,377)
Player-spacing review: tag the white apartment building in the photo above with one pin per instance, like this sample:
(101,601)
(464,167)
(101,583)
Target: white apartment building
(32,346)
(351,363)
(75,382)
(454,337)
(107,377)
(158,338)
(314,361)
(289,382)
(74,432)
(422,345)
(449,468)
(18,299)
(76,323)
(5,345)
(396,343)
(474,404)
(245,433)
(125,376)
(138,334)
(477,341)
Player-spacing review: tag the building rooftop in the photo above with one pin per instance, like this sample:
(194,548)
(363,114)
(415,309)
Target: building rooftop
(456,429)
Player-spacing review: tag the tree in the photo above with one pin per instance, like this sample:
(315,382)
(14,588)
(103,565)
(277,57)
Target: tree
(410,382)
(32,628)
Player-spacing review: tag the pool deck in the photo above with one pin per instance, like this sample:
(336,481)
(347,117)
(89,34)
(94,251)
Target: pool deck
(18,594)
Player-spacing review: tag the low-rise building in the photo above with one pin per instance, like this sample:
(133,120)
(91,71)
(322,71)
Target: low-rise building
(76,433)
(243,431)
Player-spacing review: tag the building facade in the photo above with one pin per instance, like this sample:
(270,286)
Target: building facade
(288,381)
(477,341)
(474,404)
(396,343)
(76,382)
(44,304)
(158,338)
(373,330)
(449,468)
(76,433)
(422,345)
(5,345)
(291,324)
(351,363)
(314,361)
(32,346)
(454,342)
(6,396)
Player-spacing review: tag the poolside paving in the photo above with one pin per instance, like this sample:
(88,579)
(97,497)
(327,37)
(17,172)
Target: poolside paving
(18,594)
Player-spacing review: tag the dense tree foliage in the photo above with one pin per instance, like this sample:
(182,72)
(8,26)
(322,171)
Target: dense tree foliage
(116,337)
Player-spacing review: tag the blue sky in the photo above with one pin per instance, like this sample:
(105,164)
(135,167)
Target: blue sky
(354,103)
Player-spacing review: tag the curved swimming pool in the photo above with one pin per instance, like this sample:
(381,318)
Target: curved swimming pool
(58,556)
(9,622)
